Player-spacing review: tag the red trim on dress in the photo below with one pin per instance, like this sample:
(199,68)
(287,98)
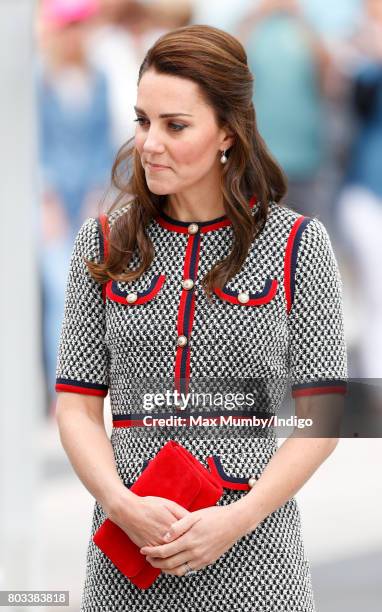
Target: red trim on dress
(182,226)
(83,390)
(288,262)
(252,301)
(181,314)
(129,423)
(140,299)
(307,391)
(104,221)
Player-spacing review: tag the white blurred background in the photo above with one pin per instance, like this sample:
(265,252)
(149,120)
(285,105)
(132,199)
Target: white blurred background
(68,87)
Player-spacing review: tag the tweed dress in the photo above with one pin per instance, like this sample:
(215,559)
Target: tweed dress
(275,328)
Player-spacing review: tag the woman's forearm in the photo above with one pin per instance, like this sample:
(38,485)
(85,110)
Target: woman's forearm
(90,452)
(290,467)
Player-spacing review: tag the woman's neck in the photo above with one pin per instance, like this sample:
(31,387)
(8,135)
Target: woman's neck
(186,208)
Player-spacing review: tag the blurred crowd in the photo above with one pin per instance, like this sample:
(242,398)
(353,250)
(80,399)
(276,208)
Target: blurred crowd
(318,100)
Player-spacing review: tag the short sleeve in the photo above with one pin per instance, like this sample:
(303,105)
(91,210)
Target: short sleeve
(83,358)
(317,349)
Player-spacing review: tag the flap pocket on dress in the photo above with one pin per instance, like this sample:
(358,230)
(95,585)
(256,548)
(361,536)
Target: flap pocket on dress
(130,295)
(245,297)
(232,471)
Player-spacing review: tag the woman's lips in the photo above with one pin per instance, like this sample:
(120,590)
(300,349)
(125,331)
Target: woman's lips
(156,167)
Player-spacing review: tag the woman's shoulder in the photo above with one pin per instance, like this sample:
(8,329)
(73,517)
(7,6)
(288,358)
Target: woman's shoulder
(282,215)
(308,246)
(91,238)
(282,212)
(115,214)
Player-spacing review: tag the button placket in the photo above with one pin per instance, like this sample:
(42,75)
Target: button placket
(186,307)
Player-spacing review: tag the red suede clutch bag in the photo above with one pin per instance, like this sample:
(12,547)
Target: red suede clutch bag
(174,473)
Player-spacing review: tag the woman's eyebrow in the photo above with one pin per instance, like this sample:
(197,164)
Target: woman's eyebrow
(163,115)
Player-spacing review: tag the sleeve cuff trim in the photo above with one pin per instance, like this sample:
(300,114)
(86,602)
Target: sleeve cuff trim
(85,388)
(315,388)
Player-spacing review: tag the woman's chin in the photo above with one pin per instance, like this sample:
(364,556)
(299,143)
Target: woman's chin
(158,189)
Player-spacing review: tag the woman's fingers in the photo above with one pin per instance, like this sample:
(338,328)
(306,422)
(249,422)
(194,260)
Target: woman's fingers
(178,510)
(177,564)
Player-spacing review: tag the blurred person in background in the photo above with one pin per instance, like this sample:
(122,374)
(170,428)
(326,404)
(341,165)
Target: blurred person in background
(360,203)
(220,14)
(291,66)
(126,29)
(76,151)
(169,14)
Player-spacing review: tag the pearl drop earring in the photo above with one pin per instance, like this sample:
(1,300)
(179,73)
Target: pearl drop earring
(223,158)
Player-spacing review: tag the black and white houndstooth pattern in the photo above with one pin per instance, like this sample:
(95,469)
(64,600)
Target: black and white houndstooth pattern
(125,349)
(265,571)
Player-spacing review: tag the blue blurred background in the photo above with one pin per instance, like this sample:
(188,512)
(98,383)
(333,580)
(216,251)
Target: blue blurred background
(70,69)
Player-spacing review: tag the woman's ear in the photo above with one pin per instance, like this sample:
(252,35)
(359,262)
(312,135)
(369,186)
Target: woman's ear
(228,138)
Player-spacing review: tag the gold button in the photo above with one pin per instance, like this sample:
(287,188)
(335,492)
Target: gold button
(187,283)
(243,297)
(252,481)
(131,297)
(182,341)
(193,228)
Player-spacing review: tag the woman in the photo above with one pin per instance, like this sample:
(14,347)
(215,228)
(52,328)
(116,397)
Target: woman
(199,284)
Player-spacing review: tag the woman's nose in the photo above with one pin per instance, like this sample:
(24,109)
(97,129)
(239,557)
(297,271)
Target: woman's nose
(153,143)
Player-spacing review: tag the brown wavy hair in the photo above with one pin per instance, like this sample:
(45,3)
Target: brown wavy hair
(217,62)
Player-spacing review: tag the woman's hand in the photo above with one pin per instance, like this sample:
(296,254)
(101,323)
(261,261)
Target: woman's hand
(147,519)
(199,538)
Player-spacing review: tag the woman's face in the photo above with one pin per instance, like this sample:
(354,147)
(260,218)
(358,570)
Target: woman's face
(188,143)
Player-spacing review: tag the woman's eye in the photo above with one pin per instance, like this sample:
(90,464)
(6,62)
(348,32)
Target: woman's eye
(175,127)
(140,120)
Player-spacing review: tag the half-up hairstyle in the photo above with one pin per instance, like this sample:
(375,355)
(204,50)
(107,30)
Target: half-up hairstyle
(217,62)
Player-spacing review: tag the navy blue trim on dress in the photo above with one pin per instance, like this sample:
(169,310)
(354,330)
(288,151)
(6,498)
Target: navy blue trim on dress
(187,223)
(187,310)
(227,477)
(129,484)
(101,240)
(333,382)
(117,291)
(145,464)
(252,296)
(74,386)
(77,383)
(319,387)
(296,244)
